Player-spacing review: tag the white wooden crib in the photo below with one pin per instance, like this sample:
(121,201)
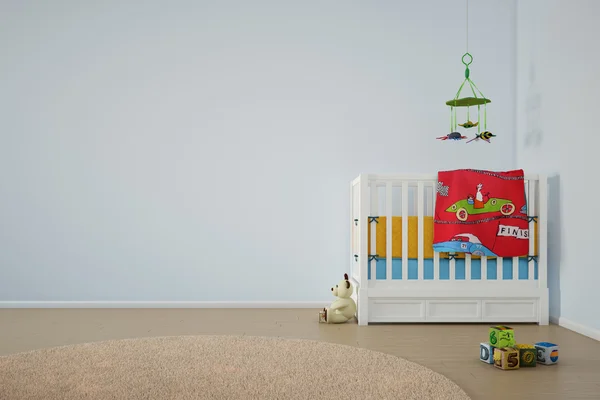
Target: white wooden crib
(495,291)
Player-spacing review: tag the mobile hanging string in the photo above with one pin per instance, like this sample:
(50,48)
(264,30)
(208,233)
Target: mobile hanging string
(467,26)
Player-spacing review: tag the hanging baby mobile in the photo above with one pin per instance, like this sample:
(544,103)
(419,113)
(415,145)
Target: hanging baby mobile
(478,100)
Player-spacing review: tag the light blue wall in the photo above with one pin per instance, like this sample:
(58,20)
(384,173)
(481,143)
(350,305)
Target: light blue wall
(557,133)
(196,150)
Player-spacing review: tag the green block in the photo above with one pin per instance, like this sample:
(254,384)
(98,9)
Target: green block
(502,336)
(527,355)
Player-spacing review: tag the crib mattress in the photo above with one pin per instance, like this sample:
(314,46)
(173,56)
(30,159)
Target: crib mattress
(494,271)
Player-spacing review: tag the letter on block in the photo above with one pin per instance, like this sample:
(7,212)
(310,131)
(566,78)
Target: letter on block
(547,353)
(502,336)
(322,316)
(486,353)
(527,355)
(506,358)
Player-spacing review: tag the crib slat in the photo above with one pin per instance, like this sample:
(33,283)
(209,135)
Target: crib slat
(415,201)
(515,266)
(452,272)
(420,229)
(531,200)
(484,268)
(373,227)
(388,230)
(429,210)
(467,267)
(500,267)
(405,230)
(434,194)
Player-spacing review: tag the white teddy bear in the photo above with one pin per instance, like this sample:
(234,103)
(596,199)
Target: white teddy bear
(344,308)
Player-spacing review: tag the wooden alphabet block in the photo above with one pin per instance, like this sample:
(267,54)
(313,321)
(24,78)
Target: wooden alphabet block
(502,336)
(322,316)
(486,352)
(506,358)
(547,353)
(527,355)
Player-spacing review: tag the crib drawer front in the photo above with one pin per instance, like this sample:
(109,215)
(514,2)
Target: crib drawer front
(388,309)
(396,310)
(515,310)
(450,310)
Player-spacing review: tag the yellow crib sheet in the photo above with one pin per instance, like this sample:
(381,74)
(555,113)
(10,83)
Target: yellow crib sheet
(413,238)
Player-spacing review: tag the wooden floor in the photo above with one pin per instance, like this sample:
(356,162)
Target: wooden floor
(452,350)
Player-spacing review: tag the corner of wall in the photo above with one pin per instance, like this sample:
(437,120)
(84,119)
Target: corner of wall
(576,327)
(515,33)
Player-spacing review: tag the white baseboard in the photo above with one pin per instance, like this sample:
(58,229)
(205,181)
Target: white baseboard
(575,327)
(164,304)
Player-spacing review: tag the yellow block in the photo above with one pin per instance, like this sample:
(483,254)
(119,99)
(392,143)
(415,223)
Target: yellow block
(413,231)
(524,346)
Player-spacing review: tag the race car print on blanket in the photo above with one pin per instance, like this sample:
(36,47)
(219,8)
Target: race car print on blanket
(481,212)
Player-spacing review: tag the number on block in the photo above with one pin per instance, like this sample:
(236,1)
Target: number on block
(506,358)
(502,336)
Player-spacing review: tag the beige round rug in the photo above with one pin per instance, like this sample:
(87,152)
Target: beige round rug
(217,367)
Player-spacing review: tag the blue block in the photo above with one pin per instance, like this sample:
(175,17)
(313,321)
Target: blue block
(547,353)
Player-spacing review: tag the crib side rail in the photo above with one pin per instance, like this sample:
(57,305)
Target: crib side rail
(542,213)
(359,209)
(372,197)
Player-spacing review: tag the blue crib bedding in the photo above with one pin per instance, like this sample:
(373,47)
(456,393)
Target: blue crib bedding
(493,272)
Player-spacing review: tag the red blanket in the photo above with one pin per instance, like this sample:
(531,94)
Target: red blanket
(481,213)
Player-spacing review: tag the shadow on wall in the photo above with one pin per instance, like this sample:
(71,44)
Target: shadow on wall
(554,244)
(533,132)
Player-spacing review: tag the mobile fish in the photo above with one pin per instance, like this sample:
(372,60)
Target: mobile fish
(469,124)
(452,136)
(484,136)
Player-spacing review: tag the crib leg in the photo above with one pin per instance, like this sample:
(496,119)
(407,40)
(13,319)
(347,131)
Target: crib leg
(363,307)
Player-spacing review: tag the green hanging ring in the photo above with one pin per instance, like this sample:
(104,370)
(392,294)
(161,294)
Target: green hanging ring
(470,59)
(467,72)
